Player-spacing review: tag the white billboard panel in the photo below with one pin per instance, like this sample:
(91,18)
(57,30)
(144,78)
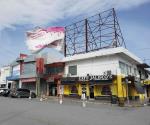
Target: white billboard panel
(40,38)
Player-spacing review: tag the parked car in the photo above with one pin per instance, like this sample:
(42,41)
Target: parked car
(22,93)
(4,92)
(1,91)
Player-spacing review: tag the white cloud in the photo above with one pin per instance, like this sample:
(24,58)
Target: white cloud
(38,12)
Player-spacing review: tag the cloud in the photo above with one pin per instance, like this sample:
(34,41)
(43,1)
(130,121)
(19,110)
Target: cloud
(41,12)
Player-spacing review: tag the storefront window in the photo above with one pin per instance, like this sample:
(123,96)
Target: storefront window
(54,70)
(74,89)
(73,70)
(106,90)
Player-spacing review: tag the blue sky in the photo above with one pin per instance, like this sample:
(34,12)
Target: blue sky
(24,15)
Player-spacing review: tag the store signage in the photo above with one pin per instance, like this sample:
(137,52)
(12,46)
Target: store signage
(105,76)
(28,80)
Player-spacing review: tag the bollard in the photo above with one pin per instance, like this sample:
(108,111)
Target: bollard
(60,99)
(30,96)
(83,100)
(41,99)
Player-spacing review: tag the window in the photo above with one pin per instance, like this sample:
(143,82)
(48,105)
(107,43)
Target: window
(54,70)
(29,68)
(74,89)
(73,70)
(125,69)
(135,71)
(122,67)
(106,90)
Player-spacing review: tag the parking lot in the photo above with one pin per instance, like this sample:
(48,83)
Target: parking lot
(15,111)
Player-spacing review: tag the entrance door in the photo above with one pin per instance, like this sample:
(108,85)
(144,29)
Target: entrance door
(53,89)
(92,92)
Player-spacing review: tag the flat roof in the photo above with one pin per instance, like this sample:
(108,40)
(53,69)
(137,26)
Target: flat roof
(104,52)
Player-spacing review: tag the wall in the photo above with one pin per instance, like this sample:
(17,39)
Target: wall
(94,66)
(5,71)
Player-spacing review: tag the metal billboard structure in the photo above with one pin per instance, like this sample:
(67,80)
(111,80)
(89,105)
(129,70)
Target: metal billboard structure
(93,33)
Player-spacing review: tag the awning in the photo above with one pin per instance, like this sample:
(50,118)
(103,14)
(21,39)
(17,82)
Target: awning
(28,80)
(139,87)
(143,65)
(12,78)
(101,82)
(69,80)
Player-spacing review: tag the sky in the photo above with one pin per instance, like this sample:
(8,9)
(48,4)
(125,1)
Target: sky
(19,16)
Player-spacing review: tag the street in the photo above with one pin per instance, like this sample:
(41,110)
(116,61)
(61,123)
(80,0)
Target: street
(34,112)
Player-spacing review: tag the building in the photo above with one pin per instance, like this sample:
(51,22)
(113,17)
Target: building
(147,84)
(53,72)
(111,71)
(13,80)
(32,71)
(4,72)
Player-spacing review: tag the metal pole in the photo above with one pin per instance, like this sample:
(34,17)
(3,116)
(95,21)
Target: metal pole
(86,35)
(128,94)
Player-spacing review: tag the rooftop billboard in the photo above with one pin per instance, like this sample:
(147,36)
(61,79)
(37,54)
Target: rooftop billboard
(39,38)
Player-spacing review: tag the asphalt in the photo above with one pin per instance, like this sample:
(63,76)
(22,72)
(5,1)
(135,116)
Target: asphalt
(50,112)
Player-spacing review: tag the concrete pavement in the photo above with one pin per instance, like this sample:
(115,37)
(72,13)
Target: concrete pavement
(34,112)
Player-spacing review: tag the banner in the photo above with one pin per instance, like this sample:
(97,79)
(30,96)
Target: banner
(52,37)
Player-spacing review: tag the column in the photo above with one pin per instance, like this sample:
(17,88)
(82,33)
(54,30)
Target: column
(38,93)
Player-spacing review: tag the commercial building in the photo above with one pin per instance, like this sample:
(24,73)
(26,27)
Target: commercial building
(4,72)
(111,71)
(13,80)
(31,76)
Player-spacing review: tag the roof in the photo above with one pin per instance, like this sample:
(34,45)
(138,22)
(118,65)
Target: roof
(104,52)
(144,65)
(30,58)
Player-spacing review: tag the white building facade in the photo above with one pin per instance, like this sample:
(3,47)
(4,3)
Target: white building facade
(5,72)
(91,70)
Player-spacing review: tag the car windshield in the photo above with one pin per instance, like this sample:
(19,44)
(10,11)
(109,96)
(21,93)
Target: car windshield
(25,90)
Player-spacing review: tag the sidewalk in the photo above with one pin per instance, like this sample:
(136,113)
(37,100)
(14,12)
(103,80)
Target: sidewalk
(74,101)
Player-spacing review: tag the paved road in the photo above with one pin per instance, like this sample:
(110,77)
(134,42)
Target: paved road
(34,112)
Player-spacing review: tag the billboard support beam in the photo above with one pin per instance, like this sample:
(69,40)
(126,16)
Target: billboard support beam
(93,33)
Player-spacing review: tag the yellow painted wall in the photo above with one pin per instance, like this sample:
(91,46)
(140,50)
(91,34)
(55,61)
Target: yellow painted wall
(114,87)
(87,90)
(79,89)
(97,90)
(66,90)
(124,90)
(120,88)
(132,91)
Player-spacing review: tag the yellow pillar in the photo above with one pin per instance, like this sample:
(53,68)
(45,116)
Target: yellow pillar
(79,89)
(114,87)
(120,86)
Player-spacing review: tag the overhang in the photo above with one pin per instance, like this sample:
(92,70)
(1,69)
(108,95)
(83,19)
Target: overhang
(104,52)
(13,78)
